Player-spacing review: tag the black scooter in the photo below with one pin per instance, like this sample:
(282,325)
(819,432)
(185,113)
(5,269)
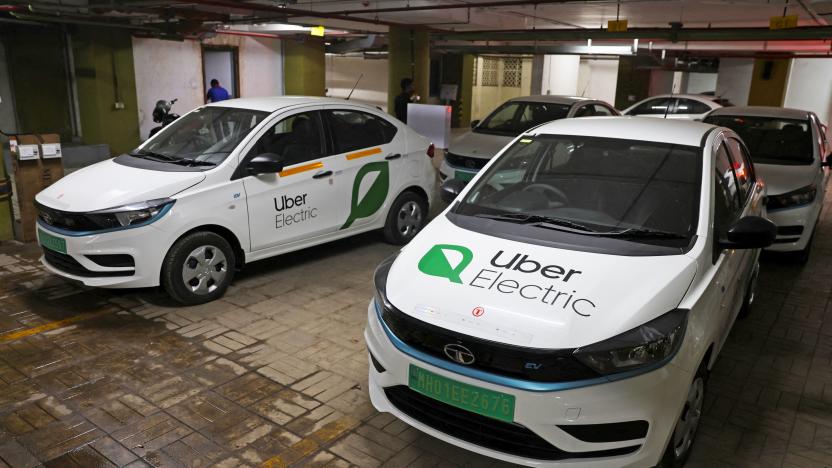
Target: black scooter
(163,115)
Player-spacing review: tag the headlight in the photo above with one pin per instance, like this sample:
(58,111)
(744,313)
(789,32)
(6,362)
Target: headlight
(380,280)
(649,344)
(801,196)
(132,214)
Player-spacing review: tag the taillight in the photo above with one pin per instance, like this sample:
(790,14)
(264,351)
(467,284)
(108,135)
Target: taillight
(430,150)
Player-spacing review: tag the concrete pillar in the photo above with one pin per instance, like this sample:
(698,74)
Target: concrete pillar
(733,81)
(458,69)
(106,84)
(560,74)
(408,57)
(537,74)
(768,82)
(633,83)
(304,66)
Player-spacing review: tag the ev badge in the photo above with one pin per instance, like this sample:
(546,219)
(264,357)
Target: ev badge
(459,354)
(478,311)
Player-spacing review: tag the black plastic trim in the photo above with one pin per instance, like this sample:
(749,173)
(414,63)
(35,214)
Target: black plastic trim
(69,265)
(610,432)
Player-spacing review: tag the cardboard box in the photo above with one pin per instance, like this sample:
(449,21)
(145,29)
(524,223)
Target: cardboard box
(30,175)
(5,201)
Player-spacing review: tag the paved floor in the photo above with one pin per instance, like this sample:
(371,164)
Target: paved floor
(274,374)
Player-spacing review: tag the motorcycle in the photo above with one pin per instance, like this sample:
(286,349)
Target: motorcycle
(163,115)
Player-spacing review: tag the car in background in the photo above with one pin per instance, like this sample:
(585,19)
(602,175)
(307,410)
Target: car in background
(789,151)
(675,106)
(574,309)
(468,153)
(233,182)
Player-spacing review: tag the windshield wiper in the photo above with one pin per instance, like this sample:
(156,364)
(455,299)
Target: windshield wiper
(537,220)
(644,233)
(153,156)
(192,162)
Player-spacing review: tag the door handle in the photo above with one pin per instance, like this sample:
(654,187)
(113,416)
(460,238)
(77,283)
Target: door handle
(390,157)
(322,175)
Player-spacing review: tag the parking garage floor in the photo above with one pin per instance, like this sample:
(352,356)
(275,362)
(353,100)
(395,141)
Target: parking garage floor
(275,373)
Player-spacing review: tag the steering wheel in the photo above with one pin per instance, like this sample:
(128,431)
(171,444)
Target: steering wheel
(544,189)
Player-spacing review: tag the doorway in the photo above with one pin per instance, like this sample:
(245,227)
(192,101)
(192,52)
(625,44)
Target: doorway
(221,63)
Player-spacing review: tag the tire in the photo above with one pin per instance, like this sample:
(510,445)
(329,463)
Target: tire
(204,257)
(407,216)
(678,448)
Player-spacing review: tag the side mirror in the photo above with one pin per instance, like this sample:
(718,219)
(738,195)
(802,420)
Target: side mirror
(474,123)
(750,232)
(450,189)
(266,163)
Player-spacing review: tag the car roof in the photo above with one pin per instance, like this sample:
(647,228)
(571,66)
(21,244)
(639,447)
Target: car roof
(763,111)
(674,131)
(701,97)
(552,98)
(274,103)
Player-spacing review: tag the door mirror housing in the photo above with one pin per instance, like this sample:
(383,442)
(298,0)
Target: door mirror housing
(266,163)
(750,232)
(474,123)
(450,189)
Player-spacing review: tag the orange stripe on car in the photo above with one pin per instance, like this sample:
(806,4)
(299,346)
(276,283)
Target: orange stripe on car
(299,169)
(363,153)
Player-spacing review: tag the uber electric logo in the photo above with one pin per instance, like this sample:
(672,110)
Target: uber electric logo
(374,198)
(300,214)
(436,262)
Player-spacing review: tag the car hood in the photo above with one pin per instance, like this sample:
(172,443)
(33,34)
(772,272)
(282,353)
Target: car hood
(108,184)
(783,179)
(446,276)
(479,145)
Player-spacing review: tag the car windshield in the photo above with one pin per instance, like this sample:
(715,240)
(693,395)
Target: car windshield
(771,140)
(594,187)
(515,117)
(205,136)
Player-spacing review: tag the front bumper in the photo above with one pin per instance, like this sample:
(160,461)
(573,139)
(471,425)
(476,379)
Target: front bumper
(147,245)
(789,221)
(655,397)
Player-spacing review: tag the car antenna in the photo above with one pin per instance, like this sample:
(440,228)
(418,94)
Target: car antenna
(353,86)
(670,101)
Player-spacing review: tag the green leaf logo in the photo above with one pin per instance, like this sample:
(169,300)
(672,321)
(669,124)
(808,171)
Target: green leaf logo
(435,262)
(375,196)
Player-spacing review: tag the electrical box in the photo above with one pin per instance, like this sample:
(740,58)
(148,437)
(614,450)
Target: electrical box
(36,164)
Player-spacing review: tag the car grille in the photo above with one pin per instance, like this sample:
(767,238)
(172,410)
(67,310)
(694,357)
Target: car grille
(69,265)
(465,161)
(72,221)
(533,364)
(509,438)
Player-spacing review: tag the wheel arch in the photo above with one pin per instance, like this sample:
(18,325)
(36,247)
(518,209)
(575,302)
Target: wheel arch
(223,232)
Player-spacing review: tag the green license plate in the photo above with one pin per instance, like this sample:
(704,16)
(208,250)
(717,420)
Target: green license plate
(51,242)
(468,397)
(464,176)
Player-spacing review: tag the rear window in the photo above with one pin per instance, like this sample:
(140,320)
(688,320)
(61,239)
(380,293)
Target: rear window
(771,140)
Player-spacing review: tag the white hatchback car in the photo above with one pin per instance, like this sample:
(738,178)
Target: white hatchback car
(469,152)
(581,287)
(233,182)
(789,150)
(675,106)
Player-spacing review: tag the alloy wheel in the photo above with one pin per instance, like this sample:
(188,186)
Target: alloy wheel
(689,419)
(409,219)
(204,269)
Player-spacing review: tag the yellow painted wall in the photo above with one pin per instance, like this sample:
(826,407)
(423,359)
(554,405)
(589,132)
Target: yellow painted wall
(770,91)
(487,98)
(304,67)
(408,57)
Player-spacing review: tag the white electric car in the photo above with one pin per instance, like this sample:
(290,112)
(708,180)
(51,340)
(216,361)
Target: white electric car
(676,106)
(469,152)
(789,151)
(231,183)
(581,287)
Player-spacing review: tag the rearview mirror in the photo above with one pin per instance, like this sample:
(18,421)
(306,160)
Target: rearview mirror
(450,189)
(266,163)
(474,123)
(750,232)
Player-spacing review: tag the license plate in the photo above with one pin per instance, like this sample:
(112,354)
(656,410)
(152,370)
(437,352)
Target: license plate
(464,176)
(468,397)
(52,242)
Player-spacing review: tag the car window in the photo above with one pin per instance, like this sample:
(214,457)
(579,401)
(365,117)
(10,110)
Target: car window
(536,113)
(298,138)
(515,117)
(653,106)
(602,110)
(689,106)
(771,140)
(743,169)
(727,183)
(502,119)
(353,130)
(585,111)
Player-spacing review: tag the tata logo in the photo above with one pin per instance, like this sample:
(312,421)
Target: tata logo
(436,261)
(459,354)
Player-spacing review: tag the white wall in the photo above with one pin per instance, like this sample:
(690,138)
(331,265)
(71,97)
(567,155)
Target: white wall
(733,80)
(661,82)
(487,98)
(810,87)
(560,74)
(598,78)
(170,69)
(698,83)
(343,71)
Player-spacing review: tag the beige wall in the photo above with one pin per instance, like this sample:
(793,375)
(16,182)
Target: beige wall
(487,98)
(343,71)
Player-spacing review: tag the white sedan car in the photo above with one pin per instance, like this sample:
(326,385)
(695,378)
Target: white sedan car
(233,182)
(675,106)
(581,288)
(468,153)
(789,151)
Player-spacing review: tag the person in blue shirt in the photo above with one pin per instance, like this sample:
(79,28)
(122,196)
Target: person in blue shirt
(217,93)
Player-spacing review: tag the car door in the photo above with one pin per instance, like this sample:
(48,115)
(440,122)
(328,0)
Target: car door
(304,200)
(371,154)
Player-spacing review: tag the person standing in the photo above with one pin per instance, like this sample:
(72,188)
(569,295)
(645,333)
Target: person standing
(217,93)
(403,99)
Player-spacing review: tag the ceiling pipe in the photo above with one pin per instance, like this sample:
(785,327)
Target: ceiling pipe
(456,6)
(249,34)
(66,20)
(667,34)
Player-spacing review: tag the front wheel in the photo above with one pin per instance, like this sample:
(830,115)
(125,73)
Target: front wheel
(681,442)
(198,268)
(407,216)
